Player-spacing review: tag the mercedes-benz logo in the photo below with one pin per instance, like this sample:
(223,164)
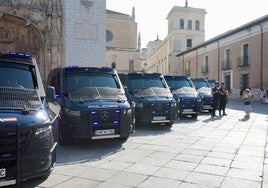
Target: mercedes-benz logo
(159,107)
(104,115)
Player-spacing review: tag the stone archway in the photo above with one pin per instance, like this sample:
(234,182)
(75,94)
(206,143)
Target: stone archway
(17,34)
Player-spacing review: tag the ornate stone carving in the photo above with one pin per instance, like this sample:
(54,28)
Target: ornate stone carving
(33,26)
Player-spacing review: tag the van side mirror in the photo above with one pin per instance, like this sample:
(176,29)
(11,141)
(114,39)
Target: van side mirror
(50,94)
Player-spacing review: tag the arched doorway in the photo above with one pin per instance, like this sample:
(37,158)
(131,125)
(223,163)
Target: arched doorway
(18,34)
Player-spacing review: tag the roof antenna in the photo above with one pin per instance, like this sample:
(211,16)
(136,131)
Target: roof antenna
(186,3)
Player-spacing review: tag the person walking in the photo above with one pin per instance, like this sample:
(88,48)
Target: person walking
(215,99)
(263,95)
(223,93)
(246,99)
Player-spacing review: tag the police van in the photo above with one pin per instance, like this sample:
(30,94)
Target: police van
(28,121)
(182,88)
(154,103)
(93,104)
(204,91)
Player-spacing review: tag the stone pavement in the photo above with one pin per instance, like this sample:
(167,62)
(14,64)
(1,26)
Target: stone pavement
(222,152)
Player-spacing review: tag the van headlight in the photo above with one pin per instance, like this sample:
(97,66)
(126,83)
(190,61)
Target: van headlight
(43,130)
(127,111)
(72,112)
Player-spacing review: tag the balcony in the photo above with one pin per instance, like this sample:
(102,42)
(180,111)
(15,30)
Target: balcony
(204,69)
(187,72)
(226,65)
(243,62)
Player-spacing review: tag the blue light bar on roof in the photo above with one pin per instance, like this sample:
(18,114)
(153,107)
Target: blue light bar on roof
(71,67)
(107,68)
(19,54)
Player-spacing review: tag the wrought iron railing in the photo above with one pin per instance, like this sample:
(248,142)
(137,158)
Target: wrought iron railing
(243,62)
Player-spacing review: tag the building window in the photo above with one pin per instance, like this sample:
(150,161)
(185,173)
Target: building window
(197,25)
(189,26)
(205,65)
(244,81)
(187,71)
(113,65)
(245,54)
(109,36)
(181,24)
(227,60)
(189,43)
(243,61)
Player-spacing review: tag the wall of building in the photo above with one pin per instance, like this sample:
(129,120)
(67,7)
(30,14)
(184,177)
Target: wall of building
(122,49)
(157,60)
(84,32)
(123,59)
(257,58)
(123,28)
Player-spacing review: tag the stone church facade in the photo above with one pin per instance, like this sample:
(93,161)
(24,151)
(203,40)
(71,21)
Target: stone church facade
(122,42)
(34,27)
(55,32)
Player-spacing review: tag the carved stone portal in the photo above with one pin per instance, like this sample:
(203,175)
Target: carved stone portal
(35,27)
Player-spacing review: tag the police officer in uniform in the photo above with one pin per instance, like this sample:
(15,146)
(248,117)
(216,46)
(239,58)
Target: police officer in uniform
(215,100)
(222,99)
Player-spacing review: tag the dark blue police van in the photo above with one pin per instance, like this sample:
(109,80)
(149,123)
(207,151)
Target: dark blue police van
(154,103)
(28,121)
(93,104)
(204,91)
(185,94)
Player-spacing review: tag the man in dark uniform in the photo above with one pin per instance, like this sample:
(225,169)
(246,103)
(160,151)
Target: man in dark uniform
(215,100)
(222,99)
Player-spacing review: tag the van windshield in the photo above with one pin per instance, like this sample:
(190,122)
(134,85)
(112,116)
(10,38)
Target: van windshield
(177,84)
(147,86)
(145,83)
(92,86)
(17,76)
(199,83)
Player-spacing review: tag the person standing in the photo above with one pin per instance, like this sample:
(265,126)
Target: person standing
(246,99)
(263,95)
(215,99)
(223,93)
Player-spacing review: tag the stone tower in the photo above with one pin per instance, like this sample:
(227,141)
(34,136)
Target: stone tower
(186,28)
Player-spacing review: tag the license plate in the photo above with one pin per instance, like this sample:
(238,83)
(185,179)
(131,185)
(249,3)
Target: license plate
(104,132)
(207,107)
(187,110)
(2,172)
(159,118)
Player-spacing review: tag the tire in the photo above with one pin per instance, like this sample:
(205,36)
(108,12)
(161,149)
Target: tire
(123,138)
(170,124)
(194,116)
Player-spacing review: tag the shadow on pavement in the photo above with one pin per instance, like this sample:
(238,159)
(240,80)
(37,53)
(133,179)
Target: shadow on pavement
(257,106)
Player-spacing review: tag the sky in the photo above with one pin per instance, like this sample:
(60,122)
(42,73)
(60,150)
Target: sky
(222,15)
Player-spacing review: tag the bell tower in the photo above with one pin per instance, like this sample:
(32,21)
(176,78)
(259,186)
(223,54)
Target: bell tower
(186,26)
